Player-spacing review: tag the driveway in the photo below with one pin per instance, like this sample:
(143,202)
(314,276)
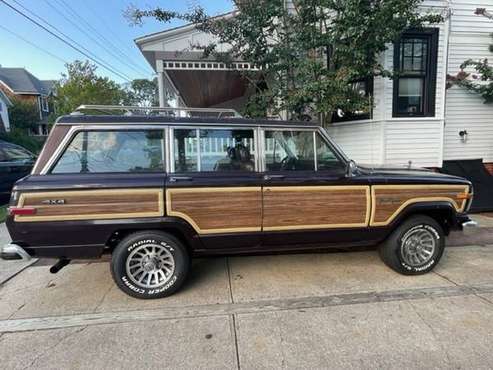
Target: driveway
(325,310)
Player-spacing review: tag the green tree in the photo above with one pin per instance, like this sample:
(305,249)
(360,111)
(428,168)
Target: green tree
(144,93)
(24,115)
(310,56)
(81,85)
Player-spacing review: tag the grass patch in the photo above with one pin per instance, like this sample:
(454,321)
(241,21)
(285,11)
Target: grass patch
(3,213)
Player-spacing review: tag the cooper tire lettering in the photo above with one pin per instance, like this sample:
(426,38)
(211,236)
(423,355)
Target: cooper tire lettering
(415,247)
(160,256)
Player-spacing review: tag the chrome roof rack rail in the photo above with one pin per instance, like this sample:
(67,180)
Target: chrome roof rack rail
(151,111)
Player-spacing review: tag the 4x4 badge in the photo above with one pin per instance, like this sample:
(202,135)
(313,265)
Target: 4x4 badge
(53,201)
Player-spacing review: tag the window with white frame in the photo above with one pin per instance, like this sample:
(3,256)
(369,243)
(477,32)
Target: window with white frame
(44,104)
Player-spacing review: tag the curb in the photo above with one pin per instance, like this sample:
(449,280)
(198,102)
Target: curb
(9,269)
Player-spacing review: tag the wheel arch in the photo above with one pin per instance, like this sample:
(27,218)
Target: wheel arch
(174,226)
(443,213)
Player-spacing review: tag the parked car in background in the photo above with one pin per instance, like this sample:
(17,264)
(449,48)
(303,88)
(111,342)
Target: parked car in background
(15,163)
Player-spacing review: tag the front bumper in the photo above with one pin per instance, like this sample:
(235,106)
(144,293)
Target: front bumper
(14,252)
(464,222)
(469,223)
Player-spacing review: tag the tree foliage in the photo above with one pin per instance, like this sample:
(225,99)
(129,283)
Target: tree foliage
(81,85)
(24,114)
(308,56)
(143,92)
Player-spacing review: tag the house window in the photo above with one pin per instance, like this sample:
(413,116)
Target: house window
(44,103)
(415,64)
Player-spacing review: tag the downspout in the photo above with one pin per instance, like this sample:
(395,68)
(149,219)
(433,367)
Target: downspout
(448,20)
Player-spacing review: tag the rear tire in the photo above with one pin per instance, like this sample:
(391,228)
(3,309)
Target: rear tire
(415,247)
(150,264)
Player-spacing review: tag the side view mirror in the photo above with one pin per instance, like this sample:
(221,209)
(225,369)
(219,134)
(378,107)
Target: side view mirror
(351,168)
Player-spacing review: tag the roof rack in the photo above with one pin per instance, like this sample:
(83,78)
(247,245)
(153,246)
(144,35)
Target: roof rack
(152,111)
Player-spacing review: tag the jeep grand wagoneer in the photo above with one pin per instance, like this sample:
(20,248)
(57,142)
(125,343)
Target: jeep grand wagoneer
(154,191)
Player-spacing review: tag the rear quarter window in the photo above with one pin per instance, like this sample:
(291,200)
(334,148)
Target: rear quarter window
(113,152)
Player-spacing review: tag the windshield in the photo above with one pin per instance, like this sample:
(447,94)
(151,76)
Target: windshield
(13,153)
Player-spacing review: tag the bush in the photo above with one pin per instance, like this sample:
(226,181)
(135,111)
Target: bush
(20,137)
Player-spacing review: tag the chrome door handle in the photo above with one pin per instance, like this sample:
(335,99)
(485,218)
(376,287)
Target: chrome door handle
(273,177)
(180,178)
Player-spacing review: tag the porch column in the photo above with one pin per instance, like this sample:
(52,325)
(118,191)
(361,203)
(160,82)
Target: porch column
(161,86)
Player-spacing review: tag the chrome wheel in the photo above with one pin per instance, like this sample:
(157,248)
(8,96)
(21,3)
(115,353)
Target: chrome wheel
(150,265)
(418,247)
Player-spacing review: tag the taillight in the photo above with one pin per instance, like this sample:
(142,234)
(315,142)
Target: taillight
(22,211)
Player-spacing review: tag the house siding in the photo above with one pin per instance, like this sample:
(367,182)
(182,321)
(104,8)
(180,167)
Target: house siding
(469,39)
(361,141)
(398,141)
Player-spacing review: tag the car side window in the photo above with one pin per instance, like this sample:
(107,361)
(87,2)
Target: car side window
(326,158)
(113,152)
(214,150)
(291,150)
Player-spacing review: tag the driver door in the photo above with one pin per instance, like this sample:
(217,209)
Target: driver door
(307,197)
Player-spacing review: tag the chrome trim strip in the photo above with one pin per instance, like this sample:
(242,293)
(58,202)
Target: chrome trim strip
(178,124)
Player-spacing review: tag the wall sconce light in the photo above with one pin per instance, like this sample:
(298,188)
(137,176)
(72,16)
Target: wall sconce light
(463,135)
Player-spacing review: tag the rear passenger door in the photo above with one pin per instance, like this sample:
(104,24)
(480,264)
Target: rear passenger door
(214,184)
(307,197)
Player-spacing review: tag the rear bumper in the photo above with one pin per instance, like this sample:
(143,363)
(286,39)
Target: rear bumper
(13,252)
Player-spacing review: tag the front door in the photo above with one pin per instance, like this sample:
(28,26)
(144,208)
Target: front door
(307,197)
(214,185)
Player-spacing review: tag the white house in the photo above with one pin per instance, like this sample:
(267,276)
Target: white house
(416,119)
(5,103)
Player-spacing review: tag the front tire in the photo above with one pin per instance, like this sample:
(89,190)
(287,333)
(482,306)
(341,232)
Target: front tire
(415,247)
(150,264)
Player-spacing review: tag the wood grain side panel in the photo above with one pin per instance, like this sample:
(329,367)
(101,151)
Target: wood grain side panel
(389,200)
(216,210)
(93,204)
(291,208)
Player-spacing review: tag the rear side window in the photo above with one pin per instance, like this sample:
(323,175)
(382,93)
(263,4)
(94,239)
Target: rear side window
(113,152)
(213,150)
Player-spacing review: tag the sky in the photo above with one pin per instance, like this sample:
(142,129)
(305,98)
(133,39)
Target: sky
(97,25)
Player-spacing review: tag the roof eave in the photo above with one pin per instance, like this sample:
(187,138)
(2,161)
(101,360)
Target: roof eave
(175,31)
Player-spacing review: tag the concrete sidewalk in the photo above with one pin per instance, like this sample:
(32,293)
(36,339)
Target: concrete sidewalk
(328,310)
